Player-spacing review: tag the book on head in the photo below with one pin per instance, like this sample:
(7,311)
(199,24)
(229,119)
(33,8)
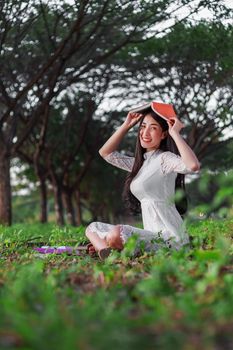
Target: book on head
(164,110)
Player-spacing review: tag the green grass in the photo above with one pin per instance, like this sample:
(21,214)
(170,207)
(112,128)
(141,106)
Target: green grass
(171,300)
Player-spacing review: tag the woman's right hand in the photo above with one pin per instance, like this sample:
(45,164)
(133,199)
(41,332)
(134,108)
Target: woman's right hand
(113,142)
(132,119)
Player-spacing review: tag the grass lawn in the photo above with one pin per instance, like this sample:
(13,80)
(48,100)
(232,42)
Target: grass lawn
(171,300)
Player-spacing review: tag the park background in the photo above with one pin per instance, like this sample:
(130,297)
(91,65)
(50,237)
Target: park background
(69,73)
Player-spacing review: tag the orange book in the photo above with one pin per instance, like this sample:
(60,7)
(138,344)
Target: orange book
(164,110)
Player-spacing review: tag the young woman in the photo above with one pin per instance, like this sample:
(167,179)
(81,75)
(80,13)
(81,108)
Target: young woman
(154,173)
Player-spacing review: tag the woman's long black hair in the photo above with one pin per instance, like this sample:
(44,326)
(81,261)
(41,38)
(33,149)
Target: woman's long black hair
(167,144)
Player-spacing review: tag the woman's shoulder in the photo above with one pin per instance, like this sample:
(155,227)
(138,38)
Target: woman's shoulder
(168,155)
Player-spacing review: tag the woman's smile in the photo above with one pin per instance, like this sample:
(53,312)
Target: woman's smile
(146,140)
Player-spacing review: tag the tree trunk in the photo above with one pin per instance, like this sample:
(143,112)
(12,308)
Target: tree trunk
(43,201)
(5,189)
(58,205)
(78,208)
(57,191)
(67,195)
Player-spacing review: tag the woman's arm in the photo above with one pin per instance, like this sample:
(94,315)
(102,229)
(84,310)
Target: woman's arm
(113,142)
(188,156)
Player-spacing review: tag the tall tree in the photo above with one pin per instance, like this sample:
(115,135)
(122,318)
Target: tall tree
(47,47)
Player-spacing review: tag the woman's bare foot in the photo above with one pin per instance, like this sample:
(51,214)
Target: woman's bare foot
(91,250)
(104,253)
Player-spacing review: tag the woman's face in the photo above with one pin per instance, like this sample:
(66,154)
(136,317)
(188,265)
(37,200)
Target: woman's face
(151,133)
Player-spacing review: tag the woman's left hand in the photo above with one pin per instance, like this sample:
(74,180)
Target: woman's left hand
(174,126)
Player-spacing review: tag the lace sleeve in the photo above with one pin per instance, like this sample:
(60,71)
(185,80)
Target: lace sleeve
(171,162)
(120,160)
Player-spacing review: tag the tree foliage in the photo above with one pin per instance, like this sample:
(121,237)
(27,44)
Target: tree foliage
(62,62)
(192,67)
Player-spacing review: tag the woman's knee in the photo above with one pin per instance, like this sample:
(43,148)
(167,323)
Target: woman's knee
(89,229)
(114,238)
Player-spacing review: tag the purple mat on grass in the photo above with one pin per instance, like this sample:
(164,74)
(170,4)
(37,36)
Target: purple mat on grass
(57,250)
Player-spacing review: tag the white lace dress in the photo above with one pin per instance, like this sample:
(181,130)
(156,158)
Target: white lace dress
(154,187)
